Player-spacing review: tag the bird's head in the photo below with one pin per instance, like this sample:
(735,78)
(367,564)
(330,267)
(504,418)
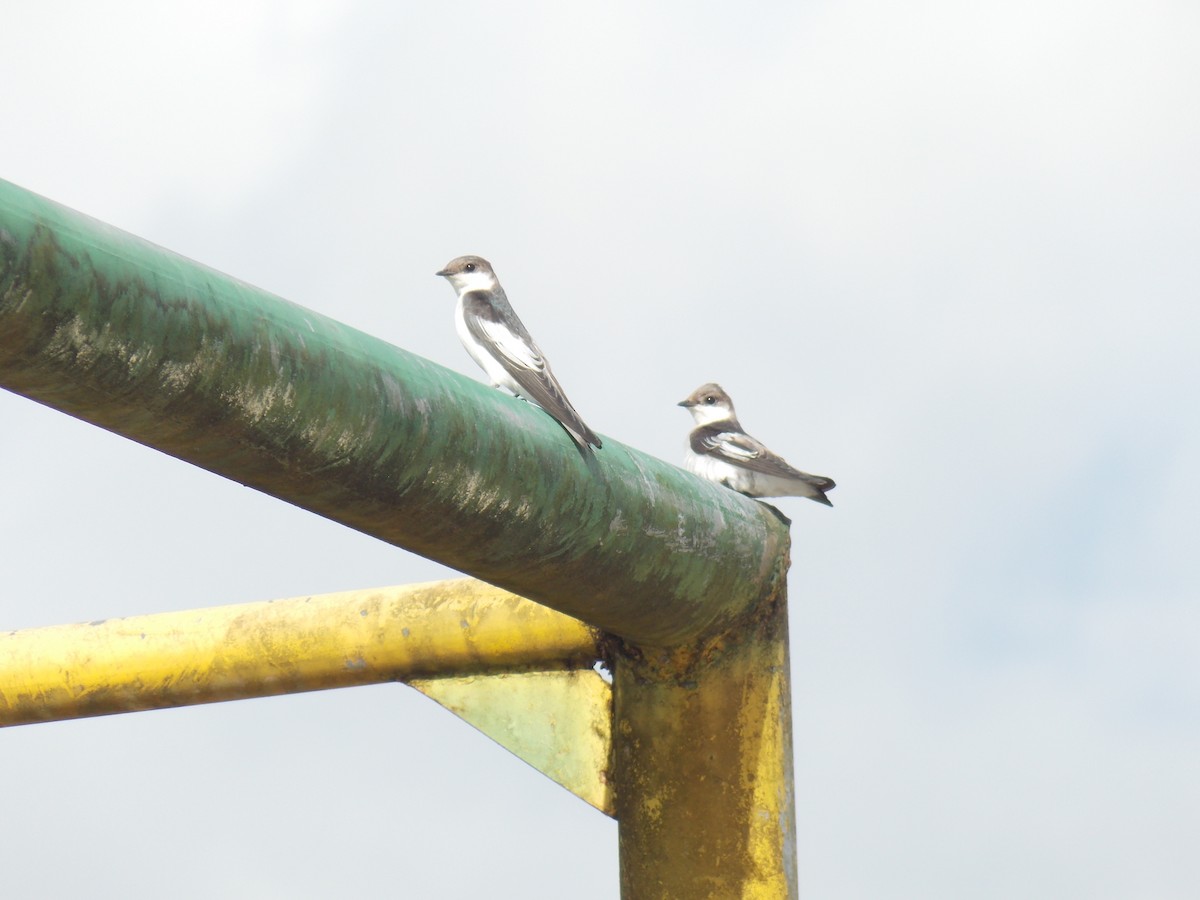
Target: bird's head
(709,403)
(469,273)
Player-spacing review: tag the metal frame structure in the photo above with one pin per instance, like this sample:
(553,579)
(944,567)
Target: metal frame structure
(678,585)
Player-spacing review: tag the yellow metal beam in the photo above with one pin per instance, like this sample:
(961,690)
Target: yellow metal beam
(172,659)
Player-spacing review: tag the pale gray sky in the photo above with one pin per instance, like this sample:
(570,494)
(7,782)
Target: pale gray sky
(945,253)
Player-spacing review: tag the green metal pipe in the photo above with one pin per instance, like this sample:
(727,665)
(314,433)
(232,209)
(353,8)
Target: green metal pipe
(128,336)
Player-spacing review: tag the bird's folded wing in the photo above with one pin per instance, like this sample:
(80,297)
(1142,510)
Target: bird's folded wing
(516,351)
(743,450)
(511,348)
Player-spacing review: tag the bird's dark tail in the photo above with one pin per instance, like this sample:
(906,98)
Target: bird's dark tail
(584,441)
(583,436)
(822,486)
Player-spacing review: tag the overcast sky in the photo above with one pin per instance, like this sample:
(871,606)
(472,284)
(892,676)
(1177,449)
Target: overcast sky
(945,253)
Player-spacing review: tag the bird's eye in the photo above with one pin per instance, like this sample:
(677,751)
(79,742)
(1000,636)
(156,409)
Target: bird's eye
(470,267)
(710,399)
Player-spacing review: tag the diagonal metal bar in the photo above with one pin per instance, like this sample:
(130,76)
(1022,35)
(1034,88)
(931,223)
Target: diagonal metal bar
(557,720)
(113,330)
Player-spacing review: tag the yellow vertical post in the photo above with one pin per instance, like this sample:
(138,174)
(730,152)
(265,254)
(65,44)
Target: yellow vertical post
(703,766)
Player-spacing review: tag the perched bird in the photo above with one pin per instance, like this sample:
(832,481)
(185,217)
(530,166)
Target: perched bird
(720,450)
(497,340)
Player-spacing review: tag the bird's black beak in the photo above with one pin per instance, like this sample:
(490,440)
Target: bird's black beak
(443,272)
(684,403)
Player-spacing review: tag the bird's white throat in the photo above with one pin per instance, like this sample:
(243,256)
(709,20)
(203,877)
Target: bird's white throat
(706,415)
(465,282)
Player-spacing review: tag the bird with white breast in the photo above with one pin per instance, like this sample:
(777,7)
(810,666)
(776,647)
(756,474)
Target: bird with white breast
(502,346)
(720,450)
